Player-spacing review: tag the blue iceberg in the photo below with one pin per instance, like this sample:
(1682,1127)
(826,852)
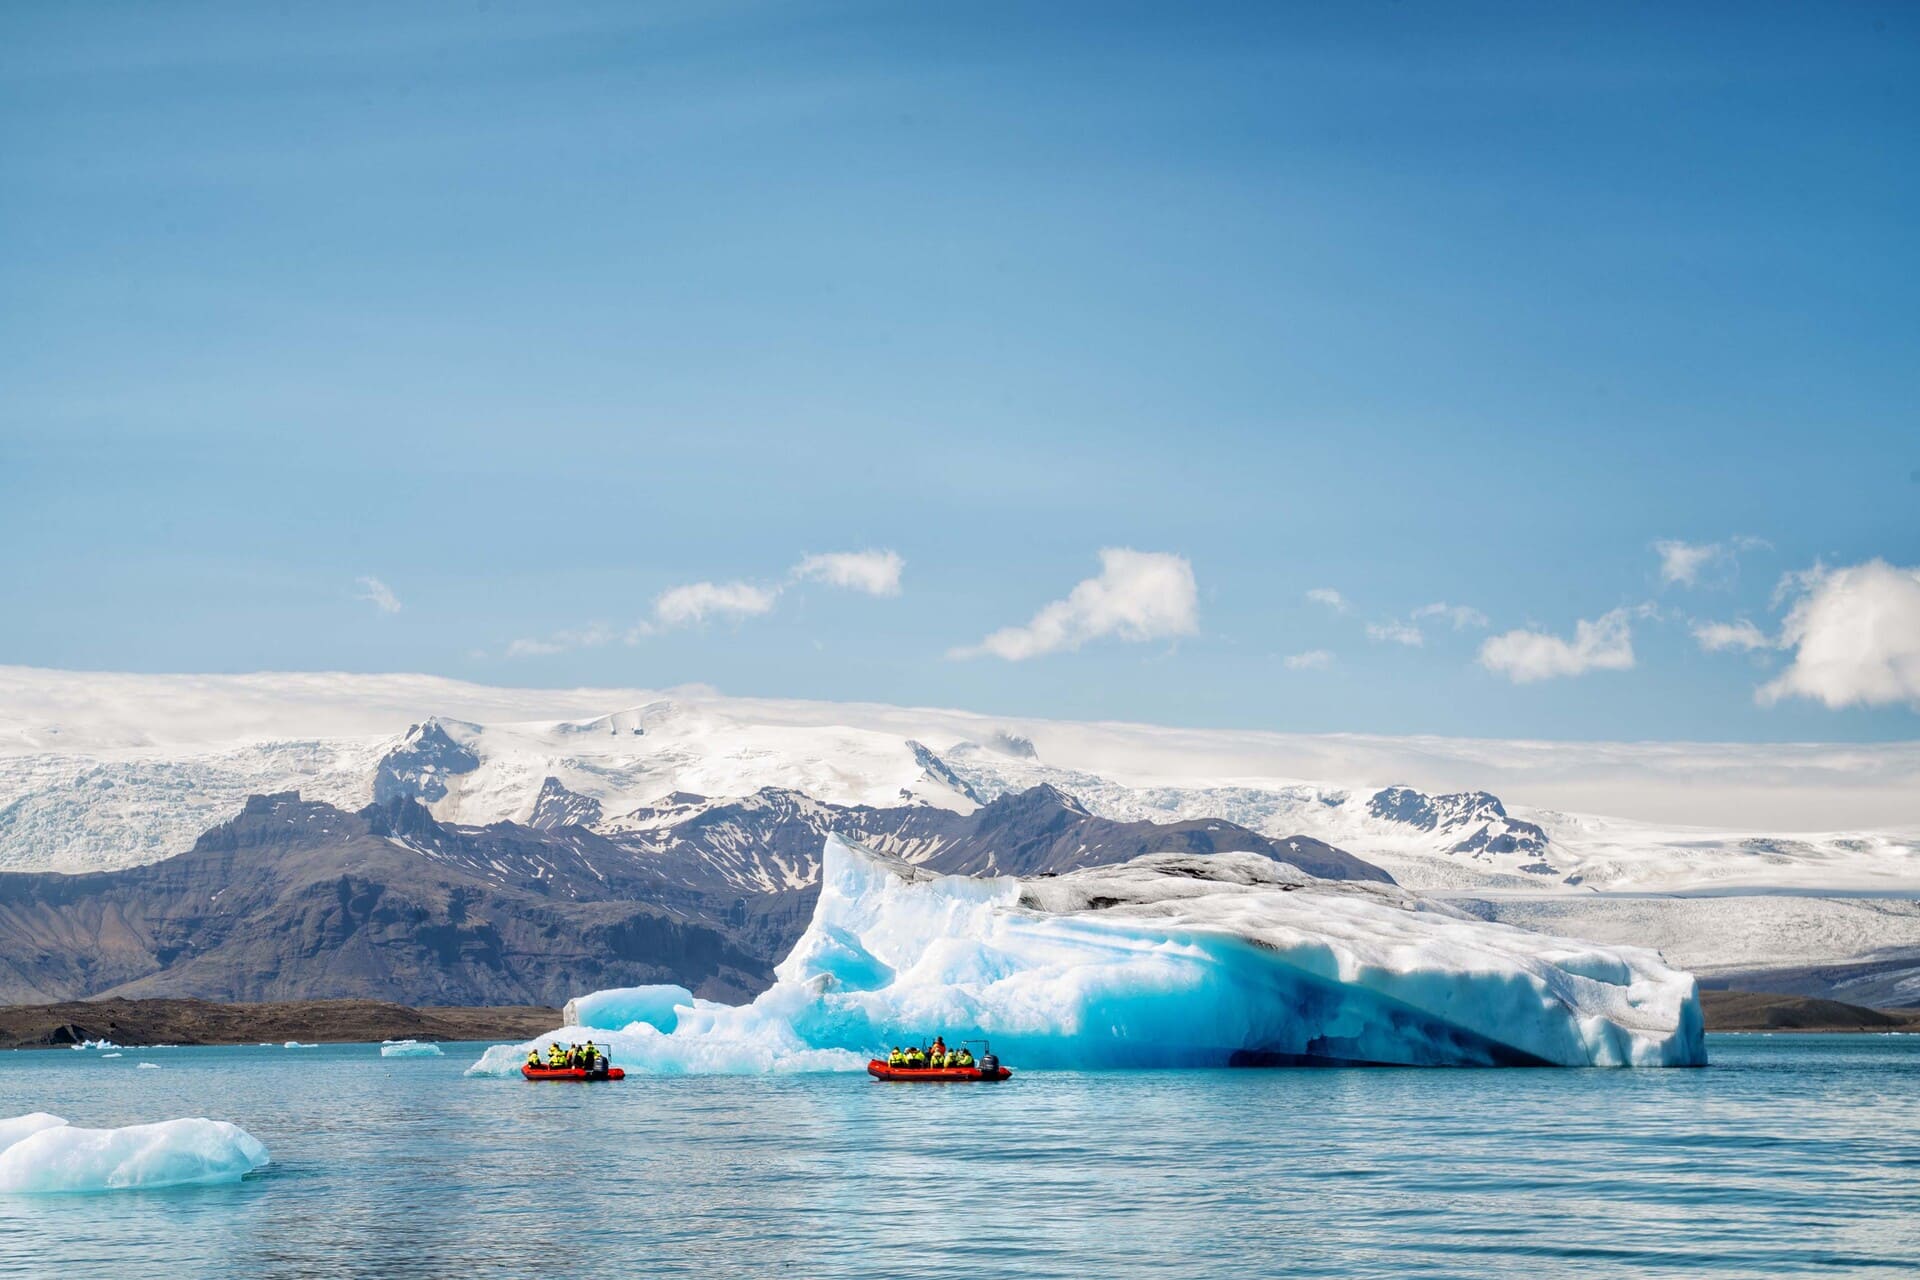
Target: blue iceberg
(1170,960)
(41,1153)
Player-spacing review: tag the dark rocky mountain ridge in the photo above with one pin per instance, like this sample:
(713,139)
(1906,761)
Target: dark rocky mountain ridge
(294,899)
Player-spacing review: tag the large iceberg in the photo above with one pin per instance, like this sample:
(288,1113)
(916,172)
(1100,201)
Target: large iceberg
(1168,960)
(43,1153)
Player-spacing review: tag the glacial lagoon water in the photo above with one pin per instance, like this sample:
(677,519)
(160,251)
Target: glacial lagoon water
(1790,1155)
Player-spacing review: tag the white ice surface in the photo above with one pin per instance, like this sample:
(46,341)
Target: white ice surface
(657,1006)
(1169,960)
(43,1153)
(410,1049)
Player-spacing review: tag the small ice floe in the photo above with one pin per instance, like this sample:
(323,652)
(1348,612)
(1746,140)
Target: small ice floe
(149,1066)
(41,1153)
(295,1044)
(409,1049)
(94,1044)
(112,1055)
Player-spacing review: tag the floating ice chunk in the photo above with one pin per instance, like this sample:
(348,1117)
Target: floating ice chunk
(95,1044)
(15,1128)
(1170,960)
(112,1055)
(149,1066)
(409,1049)
(295,1044)
(43,1153)
(621,1007)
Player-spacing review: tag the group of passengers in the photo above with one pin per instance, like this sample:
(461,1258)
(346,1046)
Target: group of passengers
(914,1058)
(579,1057)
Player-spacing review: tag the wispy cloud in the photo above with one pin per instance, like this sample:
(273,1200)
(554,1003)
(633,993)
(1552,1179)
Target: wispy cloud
(1311,660)
(698,601)
(378,594)
(1398,632)
(588,637)
(1693,564)
(875,572)
(1330,598)
(1604,644)
(1739,634)
(1855,636)
(1138,595)
(1460,615)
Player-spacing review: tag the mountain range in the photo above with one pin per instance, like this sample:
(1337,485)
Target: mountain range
(299,899)
(707,813)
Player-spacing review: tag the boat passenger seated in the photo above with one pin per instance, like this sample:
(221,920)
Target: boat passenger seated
(533,1058)
(963,1058)
(556,1056)
(937,1055)
(895,1058)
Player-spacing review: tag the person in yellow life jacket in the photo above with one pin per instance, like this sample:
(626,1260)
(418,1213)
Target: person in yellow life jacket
(556,1056)
(937,1056)
(533,1058)
(963,1058)
(590,1055)
(895,1057)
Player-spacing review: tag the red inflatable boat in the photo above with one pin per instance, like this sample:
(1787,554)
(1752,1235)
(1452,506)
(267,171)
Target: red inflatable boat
(571,1073)
(879,1070)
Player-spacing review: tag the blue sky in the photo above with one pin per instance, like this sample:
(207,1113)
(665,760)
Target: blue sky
(535,313)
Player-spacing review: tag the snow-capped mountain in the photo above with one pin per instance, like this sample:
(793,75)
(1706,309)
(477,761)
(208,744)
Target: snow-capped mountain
(107,771)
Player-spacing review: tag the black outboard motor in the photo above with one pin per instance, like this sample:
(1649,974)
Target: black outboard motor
(989,1065)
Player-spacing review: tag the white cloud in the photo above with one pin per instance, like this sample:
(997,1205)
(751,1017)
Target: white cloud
(698,601)
(1604,644)
(1139,595)
(1740,634)
(378,594)
(562,641)
(1330,598)
(875,572)
(1460,615)
(1692,564)
(1311,660)
(1398,632)
(1855,633)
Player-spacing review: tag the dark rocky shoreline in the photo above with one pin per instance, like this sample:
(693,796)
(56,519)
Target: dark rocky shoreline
(200,1022)
(1768,1011)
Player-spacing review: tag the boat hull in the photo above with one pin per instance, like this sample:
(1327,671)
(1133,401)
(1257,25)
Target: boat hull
(577,1074)
(934,1075)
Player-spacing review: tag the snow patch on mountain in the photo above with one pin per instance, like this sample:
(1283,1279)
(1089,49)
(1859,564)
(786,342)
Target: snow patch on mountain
(102,770)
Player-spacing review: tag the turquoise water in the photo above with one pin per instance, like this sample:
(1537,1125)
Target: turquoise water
(1789,1156)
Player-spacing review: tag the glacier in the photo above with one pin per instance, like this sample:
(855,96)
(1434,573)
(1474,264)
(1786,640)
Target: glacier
(1170,960)
(41,1153)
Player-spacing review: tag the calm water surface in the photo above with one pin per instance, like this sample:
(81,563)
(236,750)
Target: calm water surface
(1789,1156)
